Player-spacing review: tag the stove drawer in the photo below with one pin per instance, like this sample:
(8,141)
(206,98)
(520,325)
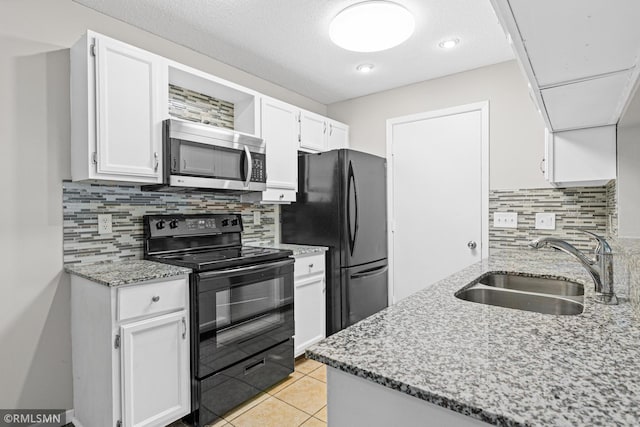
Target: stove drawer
(152,298)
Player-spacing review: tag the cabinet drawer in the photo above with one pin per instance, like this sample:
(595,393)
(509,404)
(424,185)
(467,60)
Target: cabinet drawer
(142,300)
(309,264)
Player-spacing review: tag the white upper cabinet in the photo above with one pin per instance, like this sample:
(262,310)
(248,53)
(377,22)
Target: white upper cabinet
(116,126)
(319,133)
(280,132)
(338,136)
(583,157)
(313,132)
(580,56)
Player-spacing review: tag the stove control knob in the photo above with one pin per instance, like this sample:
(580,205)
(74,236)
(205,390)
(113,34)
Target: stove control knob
(234,222)
(173,223)
(160,224)
(225,222)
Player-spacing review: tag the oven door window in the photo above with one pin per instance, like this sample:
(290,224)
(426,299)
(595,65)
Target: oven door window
(241,315)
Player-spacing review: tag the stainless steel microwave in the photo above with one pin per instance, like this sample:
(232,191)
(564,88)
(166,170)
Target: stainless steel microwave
(212,158)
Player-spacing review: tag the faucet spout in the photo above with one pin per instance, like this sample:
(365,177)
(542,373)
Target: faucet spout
(600,269)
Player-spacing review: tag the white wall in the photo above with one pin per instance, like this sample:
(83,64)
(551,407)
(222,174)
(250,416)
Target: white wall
(516,130)
(629,170)
(35,36)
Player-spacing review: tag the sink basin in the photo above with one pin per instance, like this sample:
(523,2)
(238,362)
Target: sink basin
(540,285)
(537,294)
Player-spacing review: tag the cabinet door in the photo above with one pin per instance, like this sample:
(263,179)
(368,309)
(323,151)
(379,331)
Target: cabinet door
(309,311)
(338,136)
(583,157)
(280,132)
(313,129)
(155,370)
(128,126)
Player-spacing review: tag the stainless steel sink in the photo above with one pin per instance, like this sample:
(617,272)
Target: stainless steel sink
(537,294)
(541,285)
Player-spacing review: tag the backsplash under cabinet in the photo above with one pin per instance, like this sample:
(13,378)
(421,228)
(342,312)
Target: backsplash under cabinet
(83,202)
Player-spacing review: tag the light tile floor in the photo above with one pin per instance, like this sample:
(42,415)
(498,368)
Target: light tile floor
(299,400)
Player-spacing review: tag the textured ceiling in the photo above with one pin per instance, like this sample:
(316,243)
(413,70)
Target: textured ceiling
(287,42)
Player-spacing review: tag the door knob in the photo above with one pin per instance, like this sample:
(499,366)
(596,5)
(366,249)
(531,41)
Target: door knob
(472,244)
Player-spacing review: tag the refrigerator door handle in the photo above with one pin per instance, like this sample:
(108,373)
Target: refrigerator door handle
(371,272)
(352,187)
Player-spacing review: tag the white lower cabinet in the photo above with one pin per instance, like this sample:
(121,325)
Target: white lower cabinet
(310,302)
(155,370)
(130,347)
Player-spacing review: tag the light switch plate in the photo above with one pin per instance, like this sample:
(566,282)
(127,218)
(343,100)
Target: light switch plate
(545,221)
(505,219)
(104,224)
(256,217)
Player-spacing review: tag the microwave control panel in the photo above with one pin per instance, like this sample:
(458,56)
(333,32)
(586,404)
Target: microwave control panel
(258,168)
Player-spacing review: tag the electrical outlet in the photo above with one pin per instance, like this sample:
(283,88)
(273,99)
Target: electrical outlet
(256,217)
(505,219)
(545,221)
(104,224)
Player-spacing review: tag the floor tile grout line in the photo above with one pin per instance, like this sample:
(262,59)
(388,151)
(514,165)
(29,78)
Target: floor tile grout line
(293,406)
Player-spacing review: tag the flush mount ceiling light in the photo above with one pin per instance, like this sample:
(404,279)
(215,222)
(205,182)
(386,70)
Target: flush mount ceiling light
(371,26)
(364,68)
(449,44)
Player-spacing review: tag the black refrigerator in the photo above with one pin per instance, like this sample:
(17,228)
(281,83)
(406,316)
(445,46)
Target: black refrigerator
(342,204)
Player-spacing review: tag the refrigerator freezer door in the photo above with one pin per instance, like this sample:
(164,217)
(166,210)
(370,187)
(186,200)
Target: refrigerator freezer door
(365,290)
(364,210)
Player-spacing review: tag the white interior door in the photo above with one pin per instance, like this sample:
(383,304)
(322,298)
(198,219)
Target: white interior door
(438,195)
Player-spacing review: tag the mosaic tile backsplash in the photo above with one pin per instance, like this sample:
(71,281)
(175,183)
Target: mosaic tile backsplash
(612,208)
(127,204)
(580,207)
(189,105)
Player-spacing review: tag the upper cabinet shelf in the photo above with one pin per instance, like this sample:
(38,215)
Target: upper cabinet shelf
(246,103)
(580,56)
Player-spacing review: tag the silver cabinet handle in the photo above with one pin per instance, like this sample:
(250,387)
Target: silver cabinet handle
(330,129)
(155,156)
(472,244)
(542,164)
(281,196)
(184,328)
(324,128)
(155,299)
(311,265)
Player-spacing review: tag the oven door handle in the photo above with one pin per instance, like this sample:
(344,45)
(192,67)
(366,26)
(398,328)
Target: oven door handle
(249,269)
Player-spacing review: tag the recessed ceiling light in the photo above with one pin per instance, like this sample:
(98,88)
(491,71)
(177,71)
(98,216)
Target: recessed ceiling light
(371,26)
(365,68)
(449,44)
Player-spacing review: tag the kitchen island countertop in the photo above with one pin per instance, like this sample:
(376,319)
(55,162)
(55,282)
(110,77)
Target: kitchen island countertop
(500,365)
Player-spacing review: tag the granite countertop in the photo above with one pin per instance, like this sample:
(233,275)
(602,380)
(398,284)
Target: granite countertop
(125,272)
(299,249)
(499,365)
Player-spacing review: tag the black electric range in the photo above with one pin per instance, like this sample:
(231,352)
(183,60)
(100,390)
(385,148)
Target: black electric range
(241,307)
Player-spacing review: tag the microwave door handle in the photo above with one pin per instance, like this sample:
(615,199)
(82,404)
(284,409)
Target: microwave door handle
(249,166)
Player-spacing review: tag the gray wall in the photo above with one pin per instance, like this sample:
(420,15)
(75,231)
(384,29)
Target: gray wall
(516,130)
(629,170)
(34,132)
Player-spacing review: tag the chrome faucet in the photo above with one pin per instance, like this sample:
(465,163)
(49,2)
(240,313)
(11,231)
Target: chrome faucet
(600,269)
